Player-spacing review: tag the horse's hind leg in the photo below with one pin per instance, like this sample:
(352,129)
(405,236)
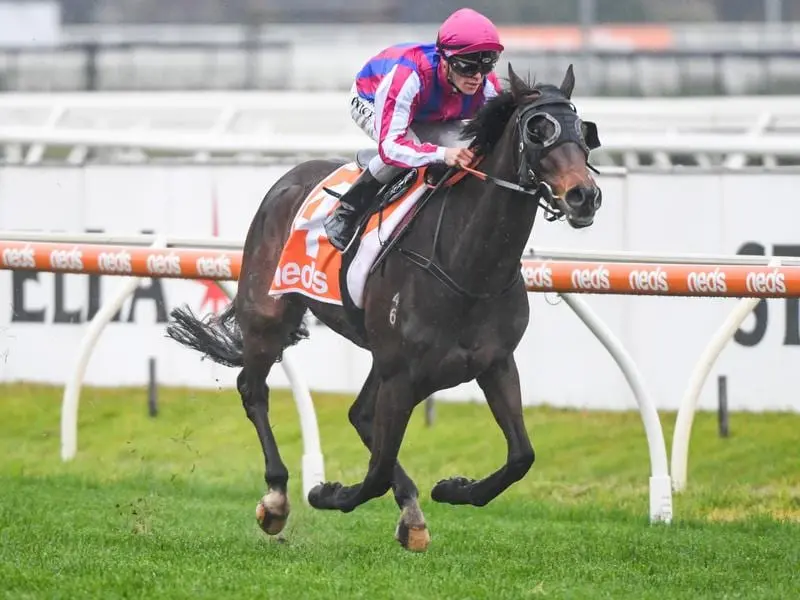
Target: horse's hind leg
(500,384)
(412,531)
(264,340)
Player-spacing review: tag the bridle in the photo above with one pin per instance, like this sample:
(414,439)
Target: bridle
(529,184)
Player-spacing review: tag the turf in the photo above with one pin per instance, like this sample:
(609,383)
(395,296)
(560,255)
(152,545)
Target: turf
(164,507)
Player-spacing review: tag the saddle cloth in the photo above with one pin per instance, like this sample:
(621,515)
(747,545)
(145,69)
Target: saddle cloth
(311,266)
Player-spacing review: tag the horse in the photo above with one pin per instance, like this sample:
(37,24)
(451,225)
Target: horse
(448,304)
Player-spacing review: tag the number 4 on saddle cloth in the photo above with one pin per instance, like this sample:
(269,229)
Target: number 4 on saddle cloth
(311,266)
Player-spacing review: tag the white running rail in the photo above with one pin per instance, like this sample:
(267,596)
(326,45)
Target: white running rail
(278,124)
(345,143)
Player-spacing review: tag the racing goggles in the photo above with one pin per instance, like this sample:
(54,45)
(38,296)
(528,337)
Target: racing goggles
(468,65)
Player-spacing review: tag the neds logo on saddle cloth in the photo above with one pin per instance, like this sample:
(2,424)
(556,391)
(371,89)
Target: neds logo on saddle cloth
(310,265)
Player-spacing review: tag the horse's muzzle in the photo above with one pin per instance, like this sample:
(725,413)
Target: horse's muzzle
(582,203)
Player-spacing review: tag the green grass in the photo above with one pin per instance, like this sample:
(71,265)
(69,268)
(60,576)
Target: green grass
(164,507)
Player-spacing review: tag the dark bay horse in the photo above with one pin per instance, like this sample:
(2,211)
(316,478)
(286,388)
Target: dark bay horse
(435,315)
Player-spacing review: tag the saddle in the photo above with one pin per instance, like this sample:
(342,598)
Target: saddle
(401,183)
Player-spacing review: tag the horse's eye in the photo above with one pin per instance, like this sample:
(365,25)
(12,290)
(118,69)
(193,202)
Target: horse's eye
(534,130)
(539,129)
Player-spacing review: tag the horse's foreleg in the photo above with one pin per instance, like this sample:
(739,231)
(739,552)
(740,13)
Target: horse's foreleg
(500,384)
(412,531)
(393,408)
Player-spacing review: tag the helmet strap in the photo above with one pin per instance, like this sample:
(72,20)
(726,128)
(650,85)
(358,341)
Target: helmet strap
(453,86)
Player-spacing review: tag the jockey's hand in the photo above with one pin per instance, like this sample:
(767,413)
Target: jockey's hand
(458,156)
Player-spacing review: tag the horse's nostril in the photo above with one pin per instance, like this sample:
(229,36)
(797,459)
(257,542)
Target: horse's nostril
(577,197)
(582,197)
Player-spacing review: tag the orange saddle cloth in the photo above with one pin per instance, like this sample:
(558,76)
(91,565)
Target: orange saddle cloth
(311,266)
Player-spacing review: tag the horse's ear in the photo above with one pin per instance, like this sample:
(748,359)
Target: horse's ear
(569,82)
(518,87)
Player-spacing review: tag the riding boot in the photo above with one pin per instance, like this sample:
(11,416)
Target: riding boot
(340,225)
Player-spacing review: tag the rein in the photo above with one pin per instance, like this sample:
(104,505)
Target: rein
(542,190)
(530,185)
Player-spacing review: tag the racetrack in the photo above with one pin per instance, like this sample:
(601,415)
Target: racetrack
(164,507)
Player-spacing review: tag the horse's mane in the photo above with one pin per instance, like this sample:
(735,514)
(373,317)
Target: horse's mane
(490,121)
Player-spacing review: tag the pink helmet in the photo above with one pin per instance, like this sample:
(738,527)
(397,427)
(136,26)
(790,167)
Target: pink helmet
(467,31)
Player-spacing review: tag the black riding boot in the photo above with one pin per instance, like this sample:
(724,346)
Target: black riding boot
(340,225)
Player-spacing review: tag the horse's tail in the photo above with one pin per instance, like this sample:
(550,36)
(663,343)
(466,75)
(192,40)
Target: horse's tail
(217,336)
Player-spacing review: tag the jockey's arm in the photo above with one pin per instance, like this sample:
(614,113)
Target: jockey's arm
(395,101)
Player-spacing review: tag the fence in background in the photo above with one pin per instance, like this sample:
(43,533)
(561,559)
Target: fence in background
(131,127)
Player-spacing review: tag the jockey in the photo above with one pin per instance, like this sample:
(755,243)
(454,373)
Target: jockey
(411,99)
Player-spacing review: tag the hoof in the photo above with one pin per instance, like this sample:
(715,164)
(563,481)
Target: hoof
(452,491)
(412,532)
(322,494)
(272,511)
(415,538)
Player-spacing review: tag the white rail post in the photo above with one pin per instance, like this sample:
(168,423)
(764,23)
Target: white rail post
(220,126)
(660,488)
(313,465)
(36,151)
(691,397)
(313,461)
(738,161)
(71,399)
